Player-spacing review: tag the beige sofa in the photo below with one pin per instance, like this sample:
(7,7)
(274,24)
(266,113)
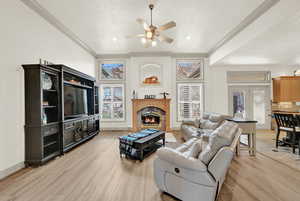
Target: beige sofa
(207,124)
(191,178)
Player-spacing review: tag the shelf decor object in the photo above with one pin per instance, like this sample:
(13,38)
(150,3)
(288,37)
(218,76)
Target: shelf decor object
(47,82)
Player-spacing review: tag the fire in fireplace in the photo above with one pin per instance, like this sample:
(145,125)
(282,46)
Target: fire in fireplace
(150,118)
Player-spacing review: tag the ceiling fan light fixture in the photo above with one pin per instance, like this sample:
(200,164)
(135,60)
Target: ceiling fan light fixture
(152,2)
(152,33)
(149,34)
(143,40)
(153,43)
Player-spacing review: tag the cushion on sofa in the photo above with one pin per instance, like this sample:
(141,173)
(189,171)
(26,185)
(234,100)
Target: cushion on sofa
(216,117)
(207,124)
(205,115)
(221,137)
(201,132)
(228,130)
(189,129)
(185,146)
(191,148)
(195,149)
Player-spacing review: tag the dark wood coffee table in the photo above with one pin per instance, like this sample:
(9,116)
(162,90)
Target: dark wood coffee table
(144,147)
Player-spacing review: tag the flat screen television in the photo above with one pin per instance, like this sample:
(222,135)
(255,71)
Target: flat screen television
(75,102)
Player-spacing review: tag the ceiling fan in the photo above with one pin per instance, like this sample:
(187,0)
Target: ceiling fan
(153,33)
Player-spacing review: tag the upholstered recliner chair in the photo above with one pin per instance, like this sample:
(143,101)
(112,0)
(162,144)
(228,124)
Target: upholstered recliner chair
(190,178)
(207,124)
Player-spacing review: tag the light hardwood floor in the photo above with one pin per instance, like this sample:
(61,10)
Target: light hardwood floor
(95,172)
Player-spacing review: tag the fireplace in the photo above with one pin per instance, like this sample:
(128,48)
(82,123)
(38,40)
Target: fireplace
(151,117)
(151,113)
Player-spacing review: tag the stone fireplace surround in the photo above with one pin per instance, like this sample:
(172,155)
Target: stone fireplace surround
(151,117)
(155,105)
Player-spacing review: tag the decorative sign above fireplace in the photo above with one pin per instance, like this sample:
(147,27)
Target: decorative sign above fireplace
(150,75)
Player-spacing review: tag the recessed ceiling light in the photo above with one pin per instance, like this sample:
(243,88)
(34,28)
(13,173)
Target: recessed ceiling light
(114,39)
(188,37)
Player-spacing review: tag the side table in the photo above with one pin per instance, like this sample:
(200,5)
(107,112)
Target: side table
(248,128)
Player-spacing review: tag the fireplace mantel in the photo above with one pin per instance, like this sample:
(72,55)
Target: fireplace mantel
(138,104)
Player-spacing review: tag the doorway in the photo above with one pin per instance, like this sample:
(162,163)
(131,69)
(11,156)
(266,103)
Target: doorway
(251,102)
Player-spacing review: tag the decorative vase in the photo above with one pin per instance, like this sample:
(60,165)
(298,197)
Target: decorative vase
(47,82)
(44,118)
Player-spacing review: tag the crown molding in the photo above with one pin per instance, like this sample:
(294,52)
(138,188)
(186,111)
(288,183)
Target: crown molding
(254,15)
(152,54)
(44,13)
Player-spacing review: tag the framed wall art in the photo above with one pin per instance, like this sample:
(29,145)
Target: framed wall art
(189,70)
(112,71)
(151,75)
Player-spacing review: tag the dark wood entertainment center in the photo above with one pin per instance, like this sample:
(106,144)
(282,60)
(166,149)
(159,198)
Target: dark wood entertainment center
(50,130)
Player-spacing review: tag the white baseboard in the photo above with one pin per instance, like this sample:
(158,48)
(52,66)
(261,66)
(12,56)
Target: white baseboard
(11,170)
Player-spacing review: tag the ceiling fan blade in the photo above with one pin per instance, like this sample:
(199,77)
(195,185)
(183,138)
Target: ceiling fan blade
(165,38)
(136,36)
(143,23)
(166,26)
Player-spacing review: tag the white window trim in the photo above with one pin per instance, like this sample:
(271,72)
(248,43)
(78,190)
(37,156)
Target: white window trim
(122,85)
(267,80)
(201,101)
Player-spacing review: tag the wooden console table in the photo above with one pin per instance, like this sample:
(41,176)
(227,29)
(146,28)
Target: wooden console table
(248,128)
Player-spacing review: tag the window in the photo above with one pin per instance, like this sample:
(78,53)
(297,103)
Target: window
(248,76)
(111,76)
(189,77)
(112,102)
(190,101)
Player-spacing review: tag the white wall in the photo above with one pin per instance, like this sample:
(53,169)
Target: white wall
(215,85)
(132,82)
(24,38)
(217,91)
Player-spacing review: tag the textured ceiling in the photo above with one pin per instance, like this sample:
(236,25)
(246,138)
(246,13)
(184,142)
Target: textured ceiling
(97,22)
